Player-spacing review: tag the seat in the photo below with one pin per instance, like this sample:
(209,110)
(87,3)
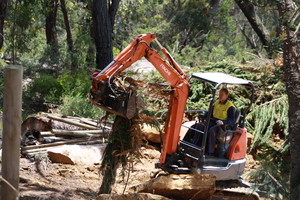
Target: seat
(224,136)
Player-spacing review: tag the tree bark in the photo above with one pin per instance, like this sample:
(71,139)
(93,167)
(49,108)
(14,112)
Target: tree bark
(103,21)
(291,58)
(69,34)
(249,11)
(112,11)
(3,6)
(67,25)
(51,34)
(91,51)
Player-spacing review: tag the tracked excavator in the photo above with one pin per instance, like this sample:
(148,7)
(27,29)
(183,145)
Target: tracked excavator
(178,155)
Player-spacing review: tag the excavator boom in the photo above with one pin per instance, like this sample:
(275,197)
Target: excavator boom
(103,93)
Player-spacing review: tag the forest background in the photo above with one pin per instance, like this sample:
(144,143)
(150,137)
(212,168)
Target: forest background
(60,42)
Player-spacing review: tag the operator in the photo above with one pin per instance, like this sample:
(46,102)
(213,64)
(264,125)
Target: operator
(223,114)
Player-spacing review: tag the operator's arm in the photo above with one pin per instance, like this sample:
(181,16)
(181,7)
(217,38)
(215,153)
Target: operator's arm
(231,116)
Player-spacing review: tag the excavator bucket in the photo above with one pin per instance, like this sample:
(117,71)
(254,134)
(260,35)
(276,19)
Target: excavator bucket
(115,99)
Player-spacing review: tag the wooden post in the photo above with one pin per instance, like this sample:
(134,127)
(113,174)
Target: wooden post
(12,104)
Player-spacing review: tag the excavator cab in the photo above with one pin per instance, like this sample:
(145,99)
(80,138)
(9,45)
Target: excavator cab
(228,163)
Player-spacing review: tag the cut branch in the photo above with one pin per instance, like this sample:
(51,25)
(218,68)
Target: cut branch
(83,133)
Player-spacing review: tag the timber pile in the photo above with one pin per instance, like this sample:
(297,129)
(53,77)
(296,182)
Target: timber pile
(44,131)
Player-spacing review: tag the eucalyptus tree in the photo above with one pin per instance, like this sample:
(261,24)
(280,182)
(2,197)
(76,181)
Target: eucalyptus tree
(51,7)
(104,13)
(20,27)
(290,42)
(287,41)
(67,25)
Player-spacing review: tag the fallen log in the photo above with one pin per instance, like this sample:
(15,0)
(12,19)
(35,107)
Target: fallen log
(46,134)
(46,148)
(88,122)
(54,144)
(182,186)
(32,127)
(68,121)
(80,133)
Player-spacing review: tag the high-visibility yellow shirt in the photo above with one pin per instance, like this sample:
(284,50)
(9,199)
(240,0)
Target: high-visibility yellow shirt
(221,110)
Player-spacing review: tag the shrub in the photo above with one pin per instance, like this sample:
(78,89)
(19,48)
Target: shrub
(42,90)
(79,106)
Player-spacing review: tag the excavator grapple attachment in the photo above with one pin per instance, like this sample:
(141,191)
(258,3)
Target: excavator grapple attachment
(115,99)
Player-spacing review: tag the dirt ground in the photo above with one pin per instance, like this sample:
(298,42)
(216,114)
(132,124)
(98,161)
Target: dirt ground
(40,179)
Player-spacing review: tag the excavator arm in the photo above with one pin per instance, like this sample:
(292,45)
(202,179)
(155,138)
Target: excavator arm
(168,68)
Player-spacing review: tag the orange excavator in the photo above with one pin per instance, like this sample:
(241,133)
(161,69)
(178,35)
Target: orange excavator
(178,155)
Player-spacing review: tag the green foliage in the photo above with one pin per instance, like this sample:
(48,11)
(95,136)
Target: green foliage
(22,25)
(263,119)
(154,77)
(42,90)
(269,178)
(268,123)
(76,105)
(68,93)
(200,95)
(75,83)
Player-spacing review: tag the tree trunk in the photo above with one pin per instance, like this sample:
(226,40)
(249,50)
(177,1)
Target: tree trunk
(103,21)
(112,11)
(51,35)
(291,55)
(3,6)
(91,51)
(249,11)
(69,34)
(67,25)
(120,142)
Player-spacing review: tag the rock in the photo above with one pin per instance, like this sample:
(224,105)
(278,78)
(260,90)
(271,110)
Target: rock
(136,196)
(151,133)
(56,157)
(183,186)
(77,154)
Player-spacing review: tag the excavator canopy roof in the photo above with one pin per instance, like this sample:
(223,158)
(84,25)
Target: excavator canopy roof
(221,78)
